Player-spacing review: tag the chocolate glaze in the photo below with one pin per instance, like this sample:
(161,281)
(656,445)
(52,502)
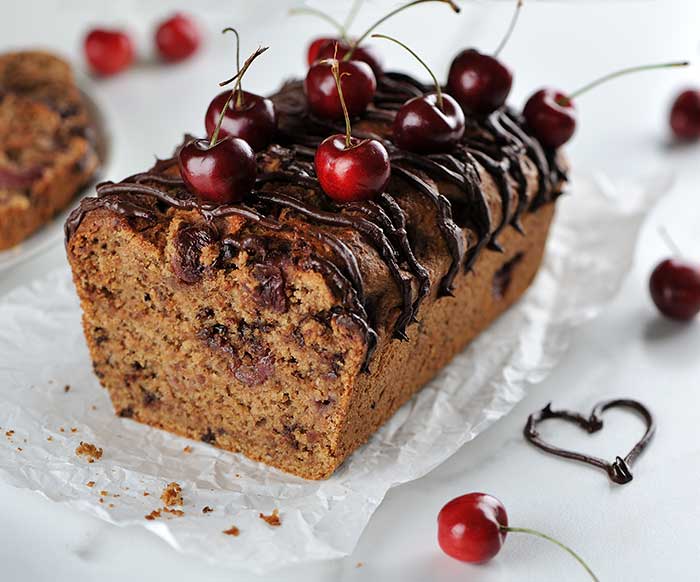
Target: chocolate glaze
(495,144)
(619,471)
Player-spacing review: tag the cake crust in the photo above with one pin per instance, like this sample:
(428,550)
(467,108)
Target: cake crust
(288,327)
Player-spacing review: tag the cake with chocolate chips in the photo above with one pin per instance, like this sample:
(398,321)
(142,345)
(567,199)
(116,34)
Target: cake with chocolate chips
(47,142)
(289,327)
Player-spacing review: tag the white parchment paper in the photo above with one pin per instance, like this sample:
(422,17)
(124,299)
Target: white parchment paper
(42,351)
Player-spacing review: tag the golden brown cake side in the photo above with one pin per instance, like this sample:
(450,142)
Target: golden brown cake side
(47,142)
(288,327)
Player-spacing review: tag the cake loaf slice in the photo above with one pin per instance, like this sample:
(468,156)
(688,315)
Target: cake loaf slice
(289,327)
(47,142)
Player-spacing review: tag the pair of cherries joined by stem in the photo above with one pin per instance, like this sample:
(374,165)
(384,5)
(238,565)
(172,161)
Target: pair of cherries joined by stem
(223,170)
(473,528)
(110,51)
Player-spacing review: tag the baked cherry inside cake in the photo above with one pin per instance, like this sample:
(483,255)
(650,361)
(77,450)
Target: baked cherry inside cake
(290,327)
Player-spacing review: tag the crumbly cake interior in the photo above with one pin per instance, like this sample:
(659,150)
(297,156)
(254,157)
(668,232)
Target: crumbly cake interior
(290,328)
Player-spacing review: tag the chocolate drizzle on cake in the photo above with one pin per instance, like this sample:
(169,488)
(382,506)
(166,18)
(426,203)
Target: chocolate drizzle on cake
(497,144)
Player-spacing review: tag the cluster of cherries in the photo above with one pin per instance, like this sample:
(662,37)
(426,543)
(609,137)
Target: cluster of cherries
(110,51)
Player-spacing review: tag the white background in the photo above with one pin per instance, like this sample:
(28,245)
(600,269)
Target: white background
(646,530)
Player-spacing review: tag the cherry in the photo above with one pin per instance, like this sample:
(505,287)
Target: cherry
(429,123)
(316,46)
(675,285)
(675,288)
(351,169)
(253,120)
(220,171)
(685,115)
(473,528)
(108,51)
(248,116)
(550,113)
(480,82)
(358,85)
(177,38)
(551,116)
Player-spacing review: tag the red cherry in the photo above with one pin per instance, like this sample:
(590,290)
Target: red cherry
(219,173)
(357,81)
(423,127)
(352,173)
(675,289)
(481,83)
(550,114)
(254,120)
(469,527)
(315,47)
(685,115)
(108,51)
(177,38)
(365,53)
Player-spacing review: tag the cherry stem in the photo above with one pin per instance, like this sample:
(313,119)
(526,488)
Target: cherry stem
(670,243)
(511,28)
(335,69)
(620,73)
(533,532)
(386,17)
(237,77)
(323,16)
(350,18)
(239,96)
(438,90)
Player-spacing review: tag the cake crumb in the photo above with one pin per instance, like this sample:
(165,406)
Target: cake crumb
(19,449)
(104,493)
(102,500)
(187,449)
(146,493)
(153,515)
(90,484)
(175,512)
(66,388)
(88,450)
(49,438)
(74,429)
(232,531)
(207,509)
(172,494)
(359,565)
(62,429)
(111,506)
(9,434)
(273,519)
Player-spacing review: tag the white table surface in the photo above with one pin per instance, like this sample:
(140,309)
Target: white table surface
(647,530)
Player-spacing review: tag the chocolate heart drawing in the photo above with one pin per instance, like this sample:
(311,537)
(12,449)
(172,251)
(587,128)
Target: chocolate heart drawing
(619,470)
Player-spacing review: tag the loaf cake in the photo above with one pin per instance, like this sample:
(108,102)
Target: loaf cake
(289,327)
(47,142)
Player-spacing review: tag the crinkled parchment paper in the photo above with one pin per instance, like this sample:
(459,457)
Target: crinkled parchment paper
(42,350)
